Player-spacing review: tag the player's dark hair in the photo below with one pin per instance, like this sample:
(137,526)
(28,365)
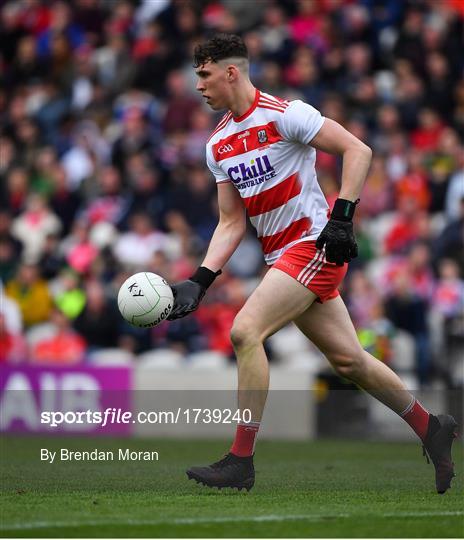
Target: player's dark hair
(219,47)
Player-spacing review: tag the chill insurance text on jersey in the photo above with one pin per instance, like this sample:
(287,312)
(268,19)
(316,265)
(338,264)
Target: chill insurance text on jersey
(265,153)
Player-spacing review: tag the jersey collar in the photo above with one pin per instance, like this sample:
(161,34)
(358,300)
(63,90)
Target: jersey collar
(250,110)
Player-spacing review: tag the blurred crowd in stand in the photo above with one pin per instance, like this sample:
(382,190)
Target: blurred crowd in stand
(102,166)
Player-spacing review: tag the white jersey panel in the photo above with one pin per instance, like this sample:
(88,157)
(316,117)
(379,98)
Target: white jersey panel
(265,154)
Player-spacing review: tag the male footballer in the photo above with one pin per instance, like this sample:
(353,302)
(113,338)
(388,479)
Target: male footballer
(262,154)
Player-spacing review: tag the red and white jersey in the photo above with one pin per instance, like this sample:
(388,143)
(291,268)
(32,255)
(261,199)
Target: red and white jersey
(265,154)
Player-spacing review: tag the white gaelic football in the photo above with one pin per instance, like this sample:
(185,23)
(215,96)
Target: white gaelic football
(145,299)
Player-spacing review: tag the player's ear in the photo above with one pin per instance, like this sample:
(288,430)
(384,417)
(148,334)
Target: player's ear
(232,73)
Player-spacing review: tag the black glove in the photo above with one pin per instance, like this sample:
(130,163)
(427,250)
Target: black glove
(337,235)
(188,293)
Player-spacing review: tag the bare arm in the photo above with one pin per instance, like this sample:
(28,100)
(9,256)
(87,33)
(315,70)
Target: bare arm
(335,139)
(230,229)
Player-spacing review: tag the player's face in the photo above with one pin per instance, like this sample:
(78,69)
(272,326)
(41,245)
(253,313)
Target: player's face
(212,83)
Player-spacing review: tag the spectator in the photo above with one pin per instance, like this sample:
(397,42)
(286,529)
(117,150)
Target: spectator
(28,138)
(185,336)
(428,132)
(447,314)
(397,159)
(26,65)
(199,134)
(13,348)
(8,258)
(60,23)
(35,17)
(410,96)
(89,16)
(194,201)
(181,104)
(407,311)
(303,74)
(10,247)
(458,112)
(409,43)
(68,295)
(388,125)
(65,347)
(60,60)
(115,70)
(377,336)
(448,296)
(306,26)
(414,185)
(419,269)
(450,243)
(275,34)
(455,195)
(9,309)
(17,189)
(111,202)
(358,66)
(272,80)
(31,293)
(99,321)
(80,252)
(8,153)
(10,29)
(42,167)
(135,138)
(405,227)
(80,161)
(135,248)
(363,299)
(146,193)
(64,202)
(217,315)
(377,195)
(53,105)
(51,260)
(439,91)
(33,226)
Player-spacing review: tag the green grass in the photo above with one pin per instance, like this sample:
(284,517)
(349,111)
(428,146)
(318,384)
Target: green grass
(315,489)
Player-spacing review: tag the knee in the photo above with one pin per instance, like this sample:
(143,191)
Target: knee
(243,333)
(349,364)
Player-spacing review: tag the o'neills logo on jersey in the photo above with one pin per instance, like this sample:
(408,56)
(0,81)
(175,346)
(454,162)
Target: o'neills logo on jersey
(256,171)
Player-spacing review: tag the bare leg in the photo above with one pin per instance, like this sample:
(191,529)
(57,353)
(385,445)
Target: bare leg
(277,300)
(330,328)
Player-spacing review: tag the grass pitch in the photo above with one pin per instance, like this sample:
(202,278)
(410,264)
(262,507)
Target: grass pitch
(317,489)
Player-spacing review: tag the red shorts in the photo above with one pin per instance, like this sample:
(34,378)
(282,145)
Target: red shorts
(307,264)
